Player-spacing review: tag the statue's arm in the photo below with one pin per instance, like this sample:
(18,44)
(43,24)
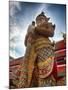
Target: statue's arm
(27,39)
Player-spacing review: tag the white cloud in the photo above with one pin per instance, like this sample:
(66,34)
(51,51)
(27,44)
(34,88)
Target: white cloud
(14,29)
(12,6)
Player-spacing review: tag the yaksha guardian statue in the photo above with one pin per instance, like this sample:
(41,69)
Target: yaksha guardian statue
(39,61)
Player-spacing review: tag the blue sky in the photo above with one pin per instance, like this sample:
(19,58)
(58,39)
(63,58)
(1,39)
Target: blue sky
(21,14)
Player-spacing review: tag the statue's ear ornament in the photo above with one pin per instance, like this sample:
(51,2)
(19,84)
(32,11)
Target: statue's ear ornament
(54,26)
(48,18)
